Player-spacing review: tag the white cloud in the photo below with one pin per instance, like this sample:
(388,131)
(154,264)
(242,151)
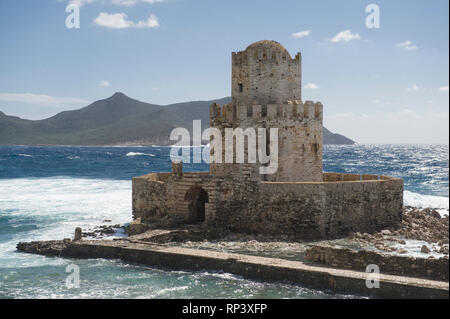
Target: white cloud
(345,36)
(42,99)
(301,34)
(151,22)
(311,86)
(104,83)
(407,45)
(127,3)
(113,21)
(443,89)
(412,88)
(400,126)
(119,21)
(81,3)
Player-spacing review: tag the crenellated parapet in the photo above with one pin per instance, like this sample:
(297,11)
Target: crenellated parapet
(265,56)
(300,135)
(293,110)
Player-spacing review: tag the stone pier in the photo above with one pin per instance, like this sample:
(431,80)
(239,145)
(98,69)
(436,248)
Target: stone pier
(310,275)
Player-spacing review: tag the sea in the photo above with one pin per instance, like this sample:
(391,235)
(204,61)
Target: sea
(47,191)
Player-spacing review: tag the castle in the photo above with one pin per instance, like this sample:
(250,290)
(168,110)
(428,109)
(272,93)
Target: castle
(299,199)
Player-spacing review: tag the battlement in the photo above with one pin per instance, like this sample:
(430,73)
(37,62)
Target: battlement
(295,110)
(265,56)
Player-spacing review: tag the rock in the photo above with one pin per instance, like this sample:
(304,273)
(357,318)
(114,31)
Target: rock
(443,242)
(425,250)
(435,214)
(386,232)
(78,234)
(136,227)
(402,251)
(444,250)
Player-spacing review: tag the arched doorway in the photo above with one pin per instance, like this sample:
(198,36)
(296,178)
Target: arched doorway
(197,198)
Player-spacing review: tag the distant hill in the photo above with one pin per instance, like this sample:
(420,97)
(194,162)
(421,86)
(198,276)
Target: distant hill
(118,120)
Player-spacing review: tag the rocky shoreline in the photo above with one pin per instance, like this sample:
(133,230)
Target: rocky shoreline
(308,274)
(425,225)
(353,253)
(103,231)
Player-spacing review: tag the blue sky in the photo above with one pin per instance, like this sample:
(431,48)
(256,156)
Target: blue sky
(386,85)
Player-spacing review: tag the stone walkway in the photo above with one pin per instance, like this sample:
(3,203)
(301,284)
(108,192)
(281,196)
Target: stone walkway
(261,268)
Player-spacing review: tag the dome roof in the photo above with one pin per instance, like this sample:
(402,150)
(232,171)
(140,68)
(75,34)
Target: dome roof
(267,44)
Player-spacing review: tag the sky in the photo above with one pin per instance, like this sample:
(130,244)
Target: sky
(378,85)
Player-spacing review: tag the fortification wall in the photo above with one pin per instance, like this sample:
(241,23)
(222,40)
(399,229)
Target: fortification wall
(300,135)
(312,210)
(298,209)
(152,199)
(162,198)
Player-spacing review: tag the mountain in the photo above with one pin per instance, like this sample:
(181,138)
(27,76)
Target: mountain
(335,139)
(118,120)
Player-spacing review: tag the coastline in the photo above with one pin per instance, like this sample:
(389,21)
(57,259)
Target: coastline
(163,248)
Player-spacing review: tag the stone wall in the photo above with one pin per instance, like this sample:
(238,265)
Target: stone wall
(160,199)
(311,210)
(436,269)
(152,198)
(301,210)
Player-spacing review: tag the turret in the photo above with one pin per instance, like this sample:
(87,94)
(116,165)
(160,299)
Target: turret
(266,94)
(265,73)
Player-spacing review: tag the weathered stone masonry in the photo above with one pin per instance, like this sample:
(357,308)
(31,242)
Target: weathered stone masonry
(299,199)
(304,209)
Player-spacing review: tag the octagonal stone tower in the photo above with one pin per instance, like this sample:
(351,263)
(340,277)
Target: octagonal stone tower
(266,93)
(265,74)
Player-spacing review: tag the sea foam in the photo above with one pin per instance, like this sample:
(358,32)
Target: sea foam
(426,201)
(132,154)
(51,208)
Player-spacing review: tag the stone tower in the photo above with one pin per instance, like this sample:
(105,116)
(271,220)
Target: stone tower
(265,74)
(266,93)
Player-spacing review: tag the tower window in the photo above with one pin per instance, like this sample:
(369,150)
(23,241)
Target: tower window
(241,87)
(249,111)
(264,111)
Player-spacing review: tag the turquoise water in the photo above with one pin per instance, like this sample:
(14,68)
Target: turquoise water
(45,192)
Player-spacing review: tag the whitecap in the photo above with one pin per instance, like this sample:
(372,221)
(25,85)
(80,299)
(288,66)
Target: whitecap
(426,201)
(57,205)
(132,154)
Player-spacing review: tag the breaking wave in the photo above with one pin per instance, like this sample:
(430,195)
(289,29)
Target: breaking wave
(132,154)
(426,201)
